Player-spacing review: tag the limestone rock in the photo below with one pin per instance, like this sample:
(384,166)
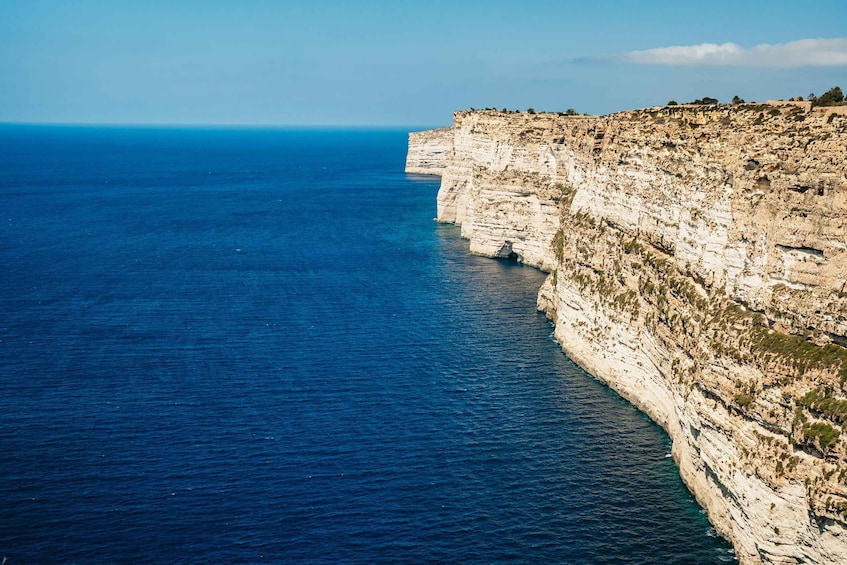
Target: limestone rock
(429,151)
(697,259)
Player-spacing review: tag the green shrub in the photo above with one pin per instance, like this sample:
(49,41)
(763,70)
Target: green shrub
(743,399)
(826,405)
(801,354)
(558,244)
(830,98)
(823,433)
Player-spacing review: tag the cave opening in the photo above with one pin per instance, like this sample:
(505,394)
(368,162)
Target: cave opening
(506,252)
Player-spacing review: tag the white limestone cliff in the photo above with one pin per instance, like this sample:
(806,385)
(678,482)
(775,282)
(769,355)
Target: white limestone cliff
(697,259)
(429,151)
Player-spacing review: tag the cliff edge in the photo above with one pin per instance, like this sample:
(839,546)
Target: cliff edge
(697,259)
(429,151)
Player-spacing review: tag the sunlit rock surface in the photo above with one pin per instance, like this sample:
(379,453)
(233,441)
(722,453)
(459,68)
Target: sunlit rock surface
(429,151)
(698,263)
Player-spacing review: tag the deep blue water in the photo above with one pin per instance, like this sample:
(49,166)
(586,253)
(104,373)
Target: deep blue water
(241,346)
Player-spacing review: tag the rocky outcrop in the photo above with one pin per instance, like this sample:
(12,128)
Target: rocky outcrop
(697,260)
(429,151)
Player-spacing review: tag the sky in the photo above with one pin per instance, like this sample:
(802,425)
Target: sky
(401,62)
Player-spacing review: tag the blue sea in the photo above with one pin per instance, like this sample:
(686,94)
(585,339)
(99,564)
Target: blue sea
(256,346)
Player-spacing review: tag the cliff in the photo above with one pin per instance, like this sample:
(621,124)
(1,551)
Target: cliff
(429,151)
(697,260)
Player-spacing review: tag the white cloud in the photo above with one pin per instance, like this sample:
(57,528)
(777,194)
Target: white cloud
(802,53)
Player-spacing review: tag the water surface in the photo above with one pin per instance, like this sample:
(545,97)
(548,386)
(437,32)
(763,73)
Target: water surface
(256,346)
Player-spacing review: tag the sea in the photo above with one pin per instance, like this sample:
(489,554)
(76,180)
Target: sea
(235,345)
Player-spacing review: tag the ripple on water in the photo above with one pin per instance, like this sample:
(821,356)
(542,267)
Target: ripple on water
(227,353)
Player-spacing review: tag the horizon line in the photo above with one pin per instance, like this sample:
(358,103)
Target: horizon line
(222,125)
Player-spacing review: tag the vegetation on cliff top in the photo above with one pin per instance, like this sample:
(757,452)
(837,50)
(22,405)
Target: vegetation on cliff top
(833,97)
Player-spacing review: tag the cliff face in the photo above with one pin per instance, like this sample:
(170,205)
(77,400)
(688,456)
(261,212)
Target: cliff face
(429,151)
(698,261)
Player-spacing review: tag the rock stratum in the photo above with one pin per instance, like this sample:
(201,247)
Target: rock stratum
(697,260)
(429,151)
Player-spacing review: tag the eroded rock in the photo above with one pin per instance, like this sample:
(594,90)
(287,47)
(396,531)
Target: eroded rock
(697,259)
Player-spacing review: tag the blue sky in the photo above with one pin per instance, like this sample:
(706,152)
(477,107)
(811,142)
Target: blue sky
(401,62)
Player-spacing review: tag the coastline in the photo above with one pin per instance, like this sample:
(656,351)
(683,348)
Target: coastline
(643,220)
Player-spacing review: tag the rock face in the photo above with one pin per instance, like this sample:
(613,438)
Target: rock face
(429,151)
(698,263)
